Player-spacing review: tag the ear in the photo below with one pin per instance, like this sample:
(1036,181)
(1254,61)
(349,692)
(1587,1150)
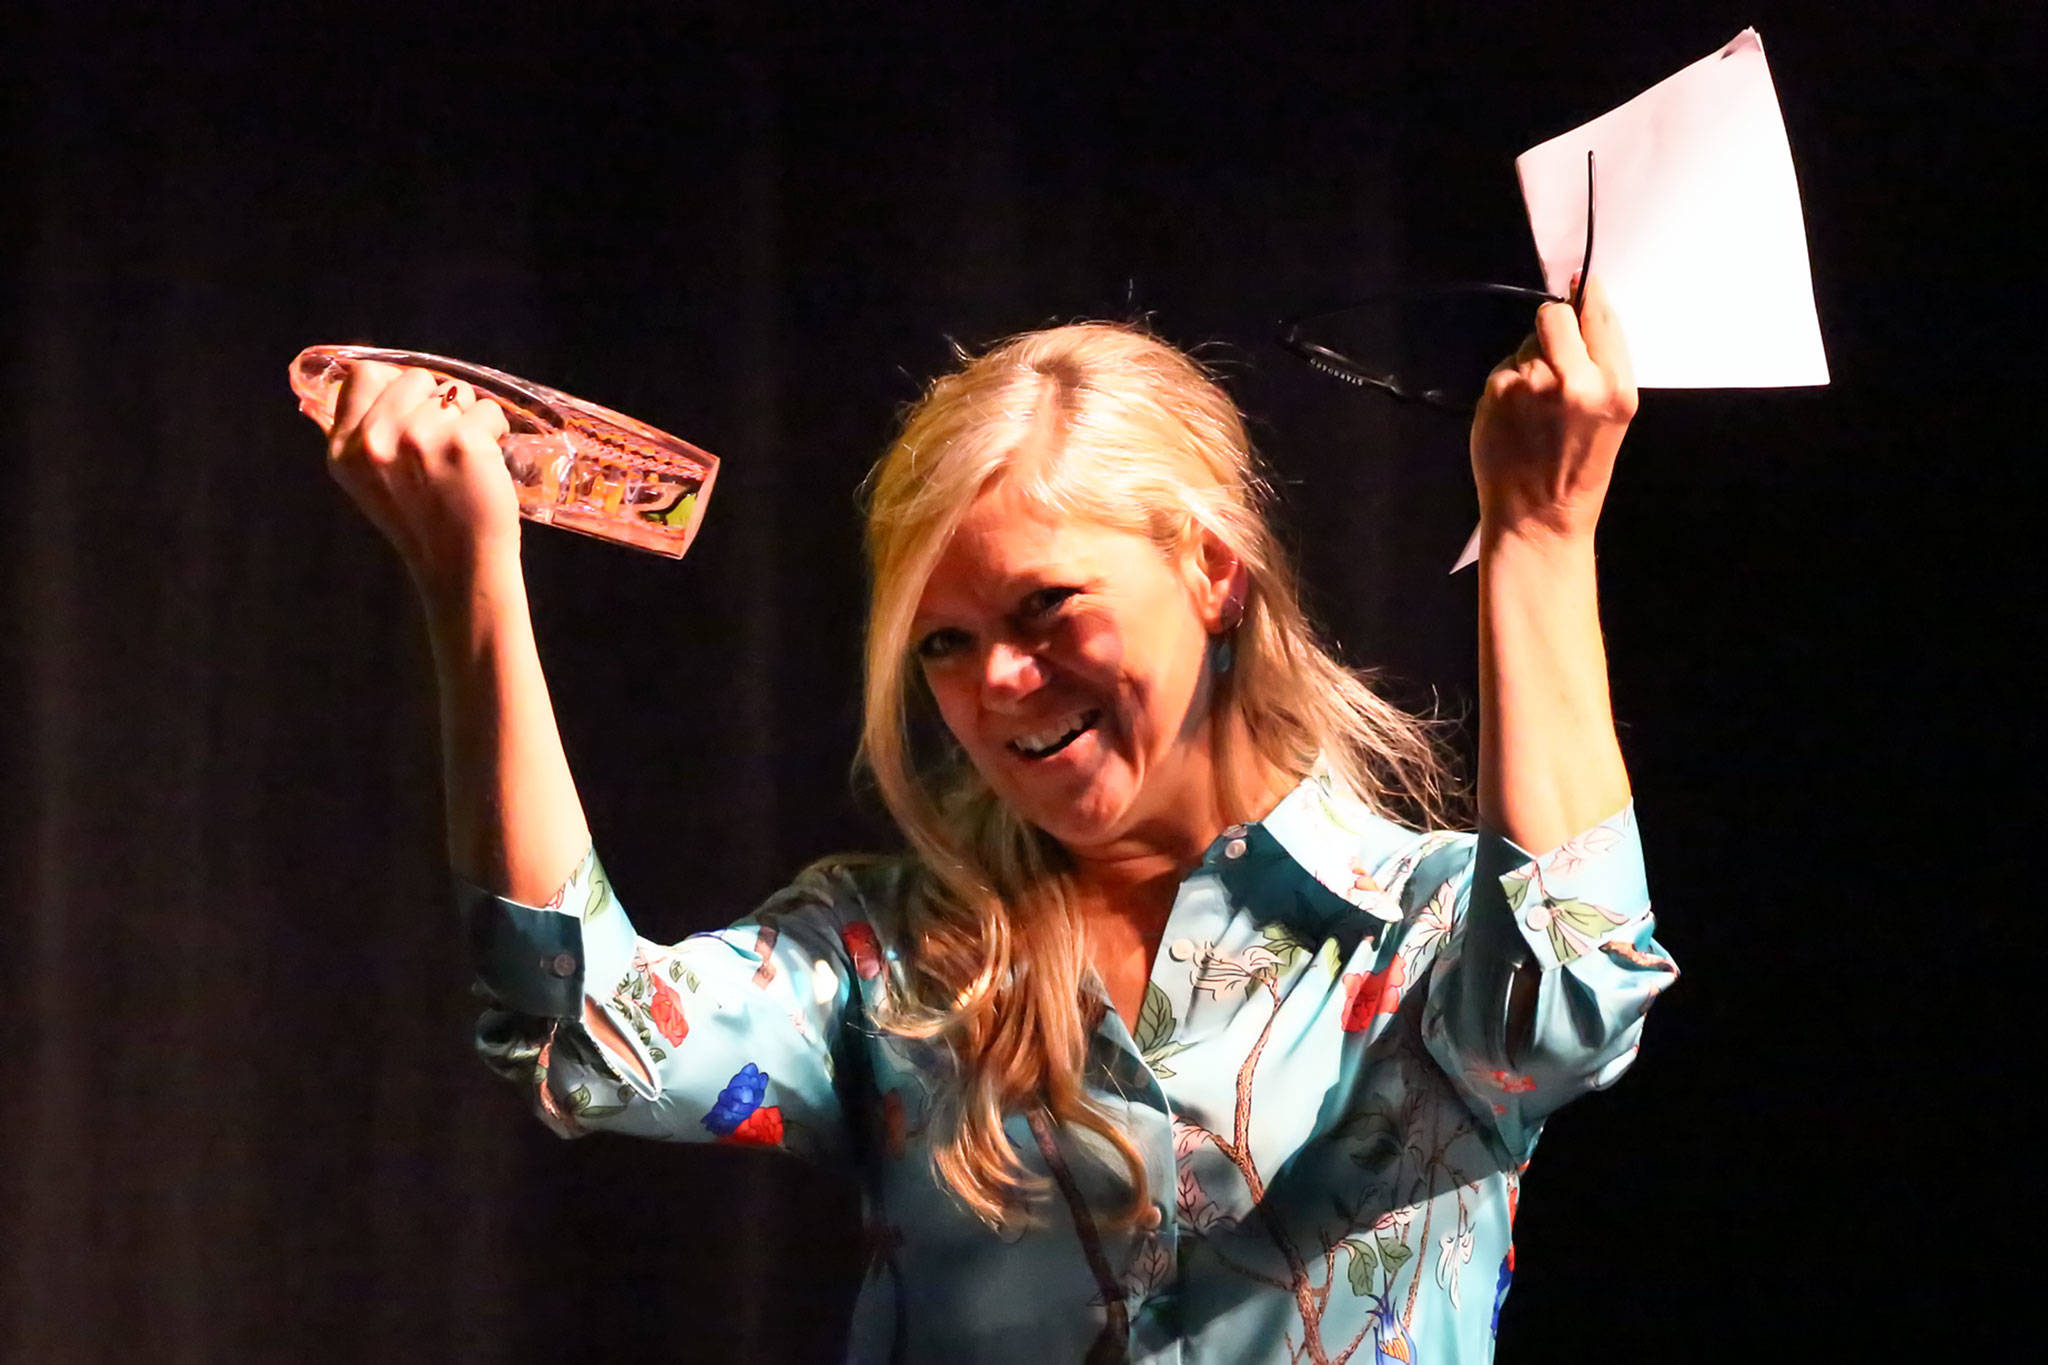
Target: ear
(1219,580)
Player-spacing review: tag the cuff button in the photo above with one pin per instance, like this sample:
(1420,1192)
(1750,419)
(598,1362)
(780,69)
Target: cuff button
(561,964)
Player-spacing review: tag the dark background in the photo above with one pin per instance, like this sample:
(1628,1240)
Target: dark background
(242,1121)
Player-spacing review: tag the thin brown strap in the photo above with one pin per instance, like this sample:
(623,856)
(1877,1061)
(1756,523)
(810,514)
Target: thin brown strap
(1113,1345)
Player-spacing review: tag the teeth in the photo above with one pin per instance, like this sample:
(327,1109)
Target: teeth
(1045,739)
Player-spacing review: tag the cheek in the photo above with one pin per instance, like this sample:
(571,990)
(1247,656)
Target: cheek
(955,703)
(1172,686)
(1094,651)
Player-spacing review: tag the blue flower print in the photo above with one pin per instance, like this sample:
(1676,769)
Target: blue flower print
(741,1097)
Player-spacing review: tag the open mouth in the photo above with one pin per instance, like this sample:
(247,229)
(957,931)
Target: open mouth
(1048,742)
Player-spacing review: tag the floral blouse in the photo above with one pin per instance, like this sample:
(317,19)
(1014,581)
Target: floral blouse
(1334,1119)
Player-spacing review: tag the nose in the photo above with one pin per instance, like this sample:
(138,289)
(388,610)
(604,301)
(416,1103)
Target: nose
(1009,673)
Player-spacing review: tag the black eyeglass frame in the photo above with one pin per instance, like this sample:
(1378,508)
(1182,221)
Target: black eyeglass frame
(1340,366)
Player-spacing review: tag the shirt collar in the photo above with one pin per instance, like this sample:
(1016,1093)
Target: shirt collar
(1296,866)
(1300,862)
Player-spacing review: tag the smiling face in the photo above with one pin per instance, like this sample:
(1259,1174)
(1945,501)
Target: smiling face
(1069,659)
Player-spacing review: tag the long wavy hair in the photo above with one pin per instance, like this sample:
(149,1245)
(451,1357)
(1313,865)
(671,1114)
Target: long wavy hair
(1105,423)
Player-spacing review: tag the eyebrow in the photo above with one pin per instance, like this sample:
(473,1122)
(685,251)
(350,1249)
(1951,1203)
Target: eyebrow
(1018,586)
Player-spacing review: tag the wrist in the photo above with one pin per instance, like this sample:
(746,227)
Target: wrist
(467,602)
(450,583)
(1536,543)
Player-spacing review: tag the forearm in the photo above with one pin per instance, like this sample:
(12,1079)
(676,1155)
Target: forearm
(515,825)
(1549,763)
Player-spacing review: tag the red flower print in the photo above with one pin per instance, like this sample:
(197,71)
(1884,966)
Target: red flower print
(665,1009)
(1367,996)
(1509,1083)
(863,948)
(762,1128)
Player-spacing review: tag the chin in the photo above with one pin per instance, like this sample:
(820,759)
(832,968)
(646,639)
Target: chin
(1092,816)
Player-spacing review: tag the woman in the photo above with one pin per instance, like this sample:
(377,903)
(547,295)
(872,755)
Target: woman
(1167,1039)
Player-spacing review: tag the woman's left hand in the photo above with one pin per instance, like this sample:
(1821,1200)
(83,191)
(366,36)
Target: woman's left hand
(1550,423)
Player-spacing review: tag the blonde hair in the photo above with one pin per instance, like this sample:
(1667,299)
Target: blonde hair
(1104,423)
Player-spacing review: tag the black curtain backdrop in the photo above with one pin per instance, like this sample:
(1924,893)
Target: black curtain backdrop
(241,1117)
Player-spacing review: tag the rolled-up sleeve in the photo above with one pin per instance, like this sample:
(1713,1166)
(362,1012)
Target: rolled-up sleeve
(1578,918)
(736,1036)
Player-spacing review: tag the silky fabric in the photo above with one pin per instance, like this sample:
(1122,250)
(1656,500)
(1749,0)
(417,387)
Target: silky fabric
(1334,1108)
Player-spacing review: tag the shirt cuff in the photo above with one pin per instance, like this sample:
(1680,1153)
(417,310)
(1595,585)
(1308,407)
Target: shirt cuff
(536,959)
(1587,891)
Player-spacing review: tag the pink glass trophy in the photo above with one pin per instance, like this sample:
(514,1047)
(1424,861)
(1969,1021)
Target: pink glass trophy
(575,464)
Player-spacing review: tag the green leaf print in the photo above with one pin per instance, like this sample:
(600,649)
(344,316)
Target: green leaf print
(1516,888)
(1283,945)
(1396,1255)
(1156,1059)
(582,1107)
(1155,1021)
(1375,1121)
(1589,920)
(1363,1265)
(595,904)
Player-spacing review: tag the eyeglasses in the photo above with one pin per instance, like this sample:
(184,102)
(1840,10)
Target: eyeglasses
(1450,336)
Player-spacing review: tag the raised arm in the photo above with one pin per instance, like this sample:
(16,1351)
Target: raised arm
(1554,962)
(1543,448)
(423,463)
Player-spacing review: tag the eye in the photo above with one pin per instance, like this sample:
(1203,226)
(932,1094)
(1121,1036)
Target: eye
(940,644)
(1046,601)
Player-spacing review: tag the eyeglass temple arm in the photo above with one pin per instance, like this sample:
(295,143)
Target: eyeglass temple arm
(1586,266)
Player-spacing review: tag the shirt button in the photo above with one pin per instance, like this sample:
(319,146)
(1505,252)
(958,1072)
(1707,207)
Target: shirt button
(1538,917)
(1234,832)
(1234,849)
(1151,1218)
(562,965)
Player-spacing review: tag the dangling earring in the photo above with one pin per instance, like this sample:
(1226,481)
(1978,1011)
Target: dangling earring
(1226,639)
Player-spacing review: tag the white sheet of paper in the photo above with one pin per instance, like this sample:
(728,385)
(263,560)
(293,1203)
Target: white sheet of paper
(1699,239)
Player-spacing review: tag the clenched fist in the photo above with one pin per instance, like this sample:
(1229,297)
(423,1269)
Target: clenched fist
(420,457)
(1550,423)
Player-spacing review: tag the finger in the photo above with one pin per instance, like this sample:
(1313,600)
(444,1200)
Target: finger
(1505,379)
(360,385)
(479,430)
(1511,364)
(454,393)
(1602,331)
(393,412)
(1557,330)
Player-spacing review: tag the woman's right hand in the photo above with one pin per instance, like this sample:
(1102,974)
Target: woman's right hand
(421,459)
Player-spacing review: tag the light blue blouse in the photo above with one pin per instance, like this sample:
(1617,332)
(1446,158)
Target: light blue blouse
(1333,1117)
